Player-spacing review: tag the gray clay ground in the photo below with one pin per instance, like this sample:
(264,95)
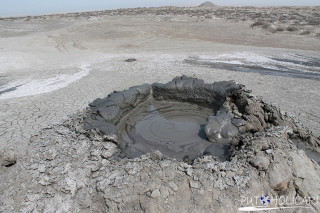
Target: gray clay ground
(53,66)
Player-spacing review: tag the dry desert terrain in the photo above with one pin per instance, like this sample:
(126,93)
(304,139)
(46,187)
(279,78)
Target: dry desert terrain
(52,66)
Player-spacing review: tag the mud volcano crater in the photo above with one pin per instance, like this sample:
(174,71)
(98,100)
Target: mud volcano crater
(183,119)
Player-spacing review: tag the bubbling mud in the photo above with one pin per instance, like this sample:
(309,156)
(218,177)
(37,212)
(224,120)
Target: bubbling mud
(175,129)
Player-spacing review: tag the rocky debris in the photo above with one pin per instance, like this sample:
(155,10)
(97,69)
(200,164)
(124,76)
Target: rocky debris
(81,177)
(192,90)
(68,170)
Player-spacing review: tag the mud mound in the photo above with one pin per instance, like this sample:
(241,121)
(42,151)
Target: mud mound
(70,167)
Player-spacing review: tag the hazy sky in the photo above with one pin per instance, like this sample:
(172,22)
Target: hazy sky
(35,7)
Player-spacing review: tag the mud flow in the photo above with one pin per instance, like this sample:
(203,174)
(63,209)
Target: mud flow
(175,129)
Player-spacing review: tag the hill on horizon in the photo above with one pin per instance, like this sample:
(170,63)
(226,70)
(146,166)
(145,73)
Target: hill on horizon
(207,4)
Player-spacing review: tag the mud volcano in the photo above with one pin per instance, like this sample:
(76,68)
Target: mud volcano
(88,163)
(183,119)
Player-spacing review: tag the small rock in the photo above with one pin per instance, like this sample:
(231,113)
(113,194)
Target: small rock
(194,184)
(33,138)
(189,172)
(165,164)
(50,154)
(238,122)
(111,137)
(164,192)
(130,60)
(253,123)
(107,153)
(279,176)
(42,168)
(157,155)
(173,186)
(187,159)
(155,193)
(45,180)
(104,161)
(269,151)
(180,168)
(261,144)
(260,162)
(8,157)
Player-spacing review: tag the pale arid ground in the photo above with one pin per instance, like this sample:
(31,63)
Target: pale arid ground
(53,66)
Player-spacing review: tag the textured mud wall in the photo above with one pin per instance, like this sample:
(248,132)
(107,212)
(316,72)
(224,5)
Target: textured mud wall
(194,90)
(105,113)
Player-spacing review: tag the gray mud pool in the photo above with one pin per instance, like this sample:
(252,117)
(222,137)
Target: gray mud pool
(175,129)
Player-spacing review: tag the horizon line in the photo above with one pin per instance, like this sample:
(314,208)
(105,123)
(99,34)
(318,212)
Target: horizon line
(124,8)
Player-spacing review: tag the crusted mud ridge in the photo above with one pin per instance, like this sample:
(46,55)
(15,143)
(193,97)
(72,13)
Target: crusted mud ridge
(70,167)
